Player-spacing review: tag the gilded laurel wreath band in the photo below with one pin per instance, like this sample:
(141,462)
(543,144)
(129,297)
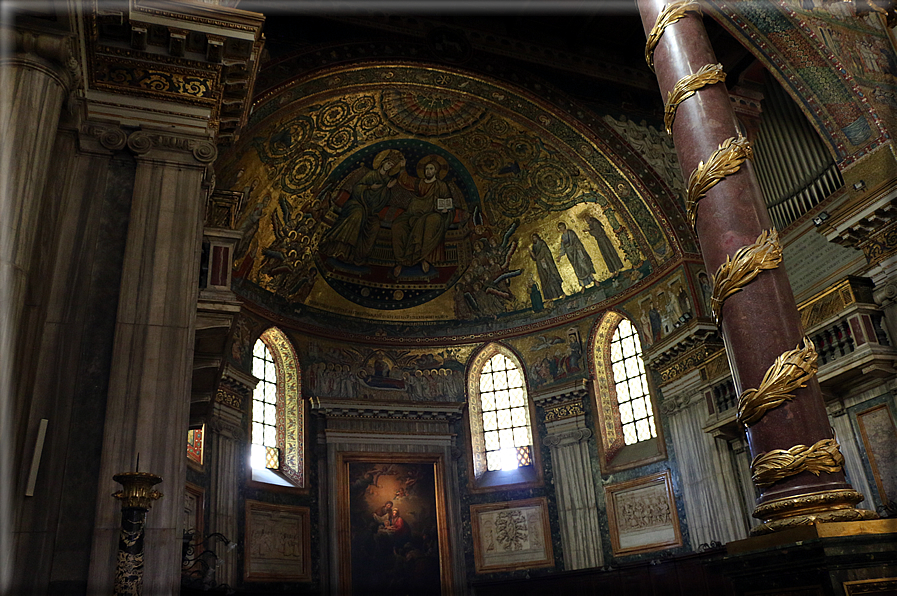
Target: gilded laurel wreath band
(778,464)
(687,86)
(725,161)
(788,373)
(670,14)
(741,269)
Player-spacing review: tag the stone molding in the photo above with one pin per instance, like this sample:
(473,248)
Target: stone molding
(337,408)
(560,394)
(109,136)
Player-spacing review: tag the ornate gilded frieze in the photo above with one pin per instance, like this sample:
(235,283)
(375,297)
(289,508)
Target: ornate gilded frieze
(834,300)
(565,410)
(789,372)
(200,57)
(738,272)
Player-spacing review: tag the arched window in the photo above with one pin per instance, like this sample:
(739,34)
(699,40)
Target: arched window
(623,399)
(277,454)
(500,416)
(631,384)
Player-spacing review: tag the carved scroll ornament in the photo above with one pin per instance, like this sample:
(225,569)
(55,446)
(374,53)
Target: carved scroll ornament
(778,464)
(670,14)
(687,86)
(789,372)
(740,270)
(725,161)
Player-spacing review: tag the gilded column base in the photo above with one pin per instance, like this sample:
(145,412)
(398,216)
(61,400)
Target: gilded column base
(810,509)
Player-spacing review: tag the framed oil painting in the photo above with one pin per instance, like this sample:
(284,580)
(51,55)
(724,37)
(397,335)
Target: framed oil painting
(642,515)
(511,535)
(278,543)
(880,440)
(393,536)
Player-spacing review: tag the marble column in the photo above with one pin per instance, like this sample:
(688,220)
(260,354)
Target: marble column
(226,464)
(853,461)
(34,81)
(149,388)
(568,439)
(759,322)
(710,491)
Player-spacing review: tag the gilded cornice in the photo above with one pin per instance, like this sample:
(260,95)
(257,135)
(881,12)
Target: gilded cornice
(685,351)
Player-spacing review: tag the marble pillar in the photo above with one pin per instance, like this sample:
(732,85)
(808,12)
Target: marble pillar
(568,440)
(759,322)
(34,81)
(710,491)
(149,388)
(226,462)
(853,461)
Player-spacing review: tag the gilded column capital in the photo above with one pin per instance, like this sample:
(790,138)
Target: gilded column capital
(142,142)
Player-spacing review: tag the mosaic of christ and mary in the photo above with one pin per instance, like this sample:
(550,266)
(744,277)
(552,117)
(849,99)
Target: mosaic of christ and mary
(428,207)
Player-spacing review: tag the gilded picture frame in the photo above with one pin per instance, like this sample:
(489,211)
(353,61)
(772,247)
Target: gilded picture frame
(511,535)
(278,543)
(642,515)
(391,503)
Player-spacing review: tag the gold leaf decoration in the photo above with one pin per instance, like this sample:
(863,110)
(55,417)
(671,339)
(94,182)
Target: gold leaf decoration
(778,464)
(685,87)
(737,272)
(670,14)
(789,372)
(725,161)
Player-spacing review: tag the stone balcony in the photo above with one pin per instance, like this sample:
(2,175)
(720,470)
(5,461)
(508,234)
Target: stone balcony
(855,353)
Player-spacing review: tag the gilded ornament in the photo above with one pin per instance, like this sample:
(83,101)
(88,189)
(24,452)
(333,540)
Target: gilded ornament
(788,373)
(670,14)
(725,161)
(778,464)
(737,272)
(685,87)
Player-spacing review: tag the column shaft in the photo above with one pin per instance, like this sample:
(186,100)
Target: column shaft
(149,388)
(760,322)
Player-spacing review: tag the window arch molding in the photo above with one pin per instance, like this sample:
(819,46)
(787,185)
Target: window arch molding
(615,454)
(290,408)
(484,479)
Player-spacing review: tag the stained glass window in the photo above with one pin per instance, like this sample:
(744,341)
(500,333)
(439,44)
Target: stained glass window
(264,452)
(506,429)
(633,399)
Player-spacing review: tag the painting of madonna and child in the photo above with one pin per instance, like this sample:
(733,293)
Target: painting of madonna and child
(394,528)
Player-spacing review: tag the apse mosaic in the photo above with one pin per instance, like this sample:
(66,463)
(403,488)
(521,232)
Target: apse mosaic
(402,195)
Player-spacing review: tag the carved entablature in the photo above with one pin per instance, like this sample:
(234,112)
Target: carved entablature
(685,351)
(420,411)
(222,209)
(563,401)
(872,229)
(187,56)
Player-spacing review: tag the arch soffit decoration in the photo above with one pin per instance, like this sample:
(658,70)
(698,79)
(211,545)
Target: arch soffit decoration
(791,51)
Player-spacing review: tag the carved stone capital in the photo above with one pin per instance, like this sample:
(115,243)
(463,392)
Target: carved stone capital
(227,427)
(568,438)
(143,142)
(109,136)
(886,294)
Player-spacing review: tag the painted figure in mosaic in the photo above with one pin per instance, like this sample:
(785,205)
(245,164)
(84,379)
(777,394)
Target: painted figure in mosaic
(608,252)
(549,277)
(418,231)
(572,246)
(352,237)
